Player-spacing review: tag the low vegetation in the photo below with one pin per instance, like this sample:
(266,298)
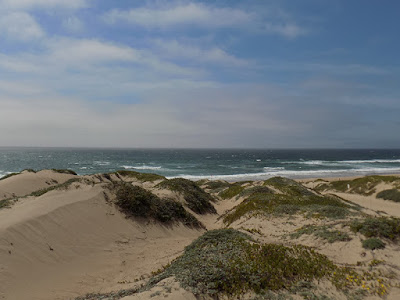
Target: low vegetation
(363,186)
(144,177)
(197,199)
(373,243)
(61,186)
(13,174)
(288,186)
(391,194)
(228,262)
(215,186)
(4,203)
(64,171)
(381,227)
(232,191)
(323,232)
(308,203)
(139,202)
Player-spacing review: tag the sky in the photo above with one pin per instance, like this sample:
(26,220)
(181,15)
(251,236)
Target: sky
(200,74)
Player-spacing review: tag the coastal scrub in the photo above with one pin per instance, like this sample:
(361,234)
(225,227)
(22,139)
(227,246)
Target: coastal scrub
(139,202)
(196,198)
(229,262)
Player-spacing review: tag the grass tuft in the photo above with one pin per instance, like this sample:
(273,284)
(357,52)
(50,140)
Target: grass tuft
(373,243)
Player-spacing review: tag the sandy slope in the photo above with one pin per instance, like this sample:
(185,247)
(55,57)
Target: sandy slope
(68,243)
(28,182)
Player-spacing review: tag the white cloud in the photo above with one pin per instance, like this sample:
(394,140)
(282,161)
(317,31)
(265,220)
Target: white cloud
(73,24)
(175,49)
(288,30)
(32,4)
(20,26)
(84,51)
(206,16)
(192,13)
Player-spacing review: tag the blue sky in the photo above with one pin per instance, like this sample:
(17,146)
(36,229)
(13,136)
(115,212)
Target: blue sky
(253,74)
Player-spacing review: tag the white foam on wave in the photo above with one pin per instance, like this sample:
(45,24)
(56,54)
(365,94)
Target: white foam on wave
(273,168)
(3,173)
(342,162)
(371,161)
(102,163)
(144,167)
(294,174)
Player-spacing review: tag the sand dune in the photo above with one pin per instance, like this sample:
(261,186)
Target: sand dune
(74,240)
(28,182)
(70,242)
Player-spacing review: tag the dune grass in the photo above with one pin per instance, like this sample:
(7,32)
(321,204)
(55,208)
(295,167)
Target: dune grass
(232,191)
(144,177)
(282,204)
(196,198)
(322,232)
(139,202)
(64,171)
(64,185)
(363,186)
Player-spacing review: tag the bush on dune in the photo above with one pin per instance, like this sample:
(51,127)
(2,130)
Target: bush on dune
(197,199)
(391,194)
(139,202)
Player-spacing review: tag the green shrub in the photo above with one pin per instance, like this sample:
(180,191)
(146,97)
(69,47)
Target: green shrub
(197,199)
(141,176)
(373,243)
(136,200)
(226,261)
(139,202)
(392,194)
(378,227)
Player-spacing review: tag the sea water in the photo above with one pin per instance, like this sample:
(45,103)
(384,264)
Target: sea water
(195,164)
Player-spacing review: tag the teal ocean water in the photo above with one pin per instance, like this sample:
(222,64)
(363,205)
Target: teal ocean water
(228,164)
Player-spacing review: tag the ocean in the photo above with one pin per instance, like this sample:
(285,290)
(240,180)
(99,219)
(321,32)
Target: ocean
(196,164)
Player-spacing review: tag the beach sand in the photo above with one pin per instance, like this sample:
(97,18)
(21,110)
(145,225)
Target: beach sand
(72,241)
